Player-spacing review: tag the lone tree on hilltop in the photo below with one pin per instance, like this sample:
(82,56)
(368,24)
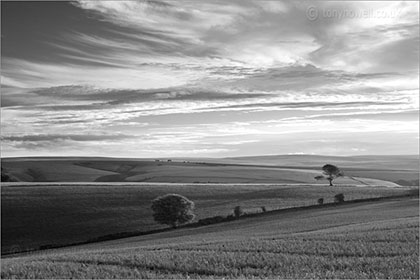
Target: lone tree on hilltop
(330,172)
(172,209)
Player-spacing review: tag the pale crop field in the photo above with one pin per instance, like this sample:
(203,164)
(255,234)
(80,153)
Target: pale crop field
(375,240)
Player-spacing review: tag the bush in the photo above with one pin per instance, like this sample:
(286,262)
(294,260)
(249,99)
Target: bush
(211,220)
(230,217)
(172,209)
(237,211)
(6,177)
(321,201)
(263,209)
(339,198)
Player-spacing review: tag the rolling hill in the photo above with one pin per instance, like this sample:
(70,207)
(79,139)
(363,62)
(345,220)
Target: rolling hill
(38,215)
(365,170)
(362,240)
(63,201)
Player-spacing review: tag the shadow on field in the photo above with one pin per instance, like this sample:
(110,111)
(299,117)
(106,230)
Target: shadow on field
(213,220)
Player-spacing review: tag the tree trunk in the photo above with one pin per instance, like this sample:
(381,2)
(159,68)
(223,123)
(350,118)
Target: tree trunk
(330,180)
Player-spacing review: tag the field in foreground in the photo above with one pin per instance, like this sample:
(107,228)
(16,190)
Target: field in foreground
(42,215)
(360,240)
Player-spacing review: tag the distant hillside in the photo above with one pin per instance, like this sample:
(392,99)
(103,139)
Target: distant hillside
(393,162)
(365,170)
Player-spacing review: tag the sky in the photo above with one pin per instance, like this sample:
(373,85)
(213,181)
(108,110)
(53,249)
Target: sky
(209,79)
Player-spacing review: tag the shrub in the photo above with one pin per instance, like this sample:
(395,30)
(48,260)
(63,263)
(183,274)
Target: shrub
(339,197)
(320,201)
(172,209)
(6,177)
(211,220)
(237,211)
(263,209)
(230,217)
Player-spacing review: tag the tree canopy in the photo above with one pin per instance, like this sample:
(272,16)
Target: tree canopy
(172,209)
(330,172)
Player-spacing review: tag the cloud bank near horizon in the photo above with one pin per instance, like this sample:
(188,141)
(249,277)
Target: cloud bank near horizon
(155,78)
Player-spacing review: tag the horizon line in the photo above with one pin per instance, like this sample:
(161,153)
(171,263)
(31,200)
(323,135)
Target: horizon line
(229,157)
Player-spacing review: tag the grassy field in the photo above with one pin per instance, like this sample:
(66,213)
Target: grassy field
(376,239)
(373,170)
(360,240)
(35,216)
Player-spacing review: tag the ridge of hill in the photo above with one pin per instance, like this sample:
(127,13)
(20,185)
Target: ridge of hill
(370,170)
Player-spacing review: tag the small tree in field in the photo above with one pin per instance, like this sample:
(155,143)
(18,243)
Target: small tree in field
(237,211)
(330,172)
(339,198)
(172,209)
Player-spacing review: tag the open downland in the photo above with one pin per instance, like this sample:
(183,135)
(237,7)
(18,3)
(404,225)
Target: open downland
(368,170)
(37,216)
(359,240)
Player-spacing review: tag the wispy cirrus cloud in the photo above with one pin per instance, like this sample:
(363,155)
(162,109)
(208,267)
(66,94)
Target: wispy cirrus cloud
(72,137)
(179,78)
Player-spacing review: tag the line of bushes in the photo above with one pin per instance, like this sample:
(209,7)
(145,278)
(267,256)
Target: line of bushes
(238,212)
(338,198)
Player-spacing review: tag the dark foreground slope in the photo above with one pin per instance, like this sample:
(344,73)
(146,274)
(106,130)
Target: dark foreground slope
(39,216)
(360,240)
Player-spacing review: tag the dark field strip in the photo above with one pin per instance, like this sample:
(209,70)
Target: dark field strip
(197,224)
(47,216)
